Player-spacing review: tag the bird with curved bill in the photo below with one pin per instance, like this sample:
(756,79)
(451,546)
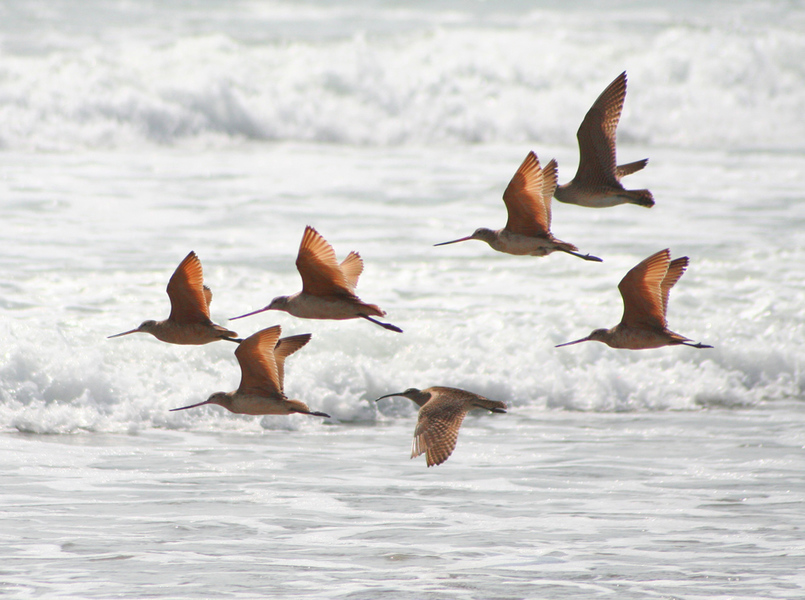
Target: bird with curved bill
(441,412)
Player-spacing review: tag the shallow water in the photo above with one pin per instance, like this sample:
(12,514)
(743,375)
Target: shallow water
(133,134)
(533,504)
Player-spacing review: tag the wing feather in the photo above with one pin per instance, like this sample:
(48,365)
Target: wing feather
(675,270)
(596,135)
(186,292)
(258,367)
(437,428)
(317,264)
(641,289)
(352,267)
(284,348)
(529,214)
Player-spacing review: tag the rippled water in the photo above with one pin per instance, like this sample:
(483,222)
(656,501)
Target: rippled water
(134,133)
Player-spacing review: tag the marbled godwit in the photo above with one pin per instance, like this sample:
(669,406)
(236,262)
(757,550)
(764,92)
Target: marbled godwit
(645,290)
(189,321)
(441,411)
(597,181)
(328,289)
(261,357)
(528,202)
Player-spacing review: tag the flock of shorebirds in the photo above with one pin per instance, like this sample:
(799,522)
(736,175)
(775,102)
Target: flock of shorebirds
(328,288)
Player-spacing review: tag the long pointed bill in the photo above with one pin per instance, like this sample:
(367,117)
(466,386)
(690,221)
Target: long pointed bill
(109,337)
(586,339)
(254,312)
(388,396)
(464,239)
(191,406)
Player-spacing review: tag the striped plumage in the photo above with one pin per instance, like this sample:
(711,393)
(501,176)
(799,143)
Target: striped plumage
(441,412)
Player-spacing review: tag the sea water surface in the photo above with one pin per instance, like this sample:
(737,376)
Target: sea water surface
(133,133)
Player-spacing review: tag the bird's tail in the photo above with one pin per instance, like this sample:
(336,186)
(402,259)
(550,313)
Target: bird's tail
(493,405)
(225,333)
(372,310)
(629,168)
(639,197)
(297,406)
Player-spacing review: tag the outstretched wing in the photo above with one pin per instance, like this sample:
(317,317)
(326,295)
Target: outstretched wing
(675,270)
(596,135)
(352,267)
(437,429)
(186,292)
(529,214)
(284,348)
(644,299)
(320,271)
(258,367)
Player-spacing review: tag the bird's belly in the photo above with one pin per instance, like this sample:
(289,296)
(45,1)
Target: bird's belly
(191,334)
(640,339)
(522,245)
(258,405)
(315,307)
(591,197)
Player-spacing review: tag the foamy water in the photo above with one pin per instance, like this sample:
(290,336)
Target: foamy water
(134,134)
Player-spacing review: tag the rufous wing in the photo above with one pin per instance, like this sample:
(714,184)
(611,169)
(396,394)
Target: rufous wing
(284,348)
(186,292)
(317,264)
(258,367)
(528,212)
(641,289)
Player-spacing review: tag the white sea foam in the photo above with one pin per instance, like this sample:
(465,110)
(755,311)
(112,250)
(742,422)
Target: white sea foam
(134,132)
(472,318)
(454,78)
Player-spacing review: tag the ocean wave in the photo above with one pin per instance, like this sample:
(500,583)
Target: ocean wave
(713,84)
(57,387)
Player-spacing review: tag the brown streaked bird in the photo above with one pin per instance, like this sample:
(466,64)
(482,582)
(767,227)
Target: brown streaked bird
(261,357)
(528,202)
(441,412)
(645,290)
(597,183)
(189,321)
(328,288)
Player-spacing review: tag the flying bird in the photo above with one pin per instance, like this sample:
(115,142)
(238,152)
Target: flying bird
(645,290)
(189,321)
(328,288)
(597,183)
(261,357)
(441,412)
(528,202)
